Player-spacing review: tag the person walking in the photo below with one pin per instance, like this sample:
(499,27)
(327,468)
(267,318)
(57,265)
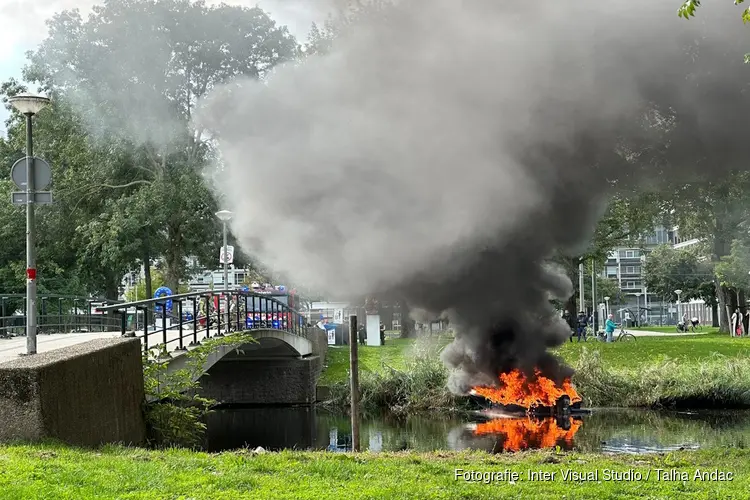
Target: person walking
(583,322)
(610,327)
(570,321)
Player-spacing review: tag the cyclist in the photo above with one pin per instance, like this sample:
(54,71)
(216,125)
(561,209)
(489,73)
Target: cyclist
(610,327)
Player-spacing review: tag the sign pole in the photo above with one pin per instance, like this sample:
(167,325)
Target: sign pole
(354,376)
(30,250)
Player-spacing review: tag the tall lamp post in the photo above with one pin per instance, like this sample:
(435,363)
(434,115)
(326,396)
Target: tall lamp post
(678,293)
(225,216)
(638,309)
(606,300)
(29,105)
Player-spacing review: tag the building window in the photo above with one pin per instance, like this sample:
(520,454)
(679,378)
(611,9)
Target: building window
(632,269)
(630,284)
(611,271)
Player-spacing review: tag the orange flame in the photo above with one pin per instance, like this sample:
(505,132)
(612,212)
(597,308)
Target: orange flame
(516,389)
(524,433)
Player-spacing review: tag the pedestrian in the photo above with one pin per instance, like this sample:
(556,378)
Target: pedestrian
(382,333)
(362,332)
(583,322)
(610,327)
(570,321)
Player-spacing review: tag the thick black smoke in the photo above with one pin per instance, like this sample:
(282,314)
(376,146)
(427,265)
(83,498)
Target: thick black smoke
(447,151)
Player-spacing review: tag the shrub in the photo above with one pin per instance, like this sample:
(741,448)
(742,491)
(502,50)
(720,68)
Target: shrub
(176,415)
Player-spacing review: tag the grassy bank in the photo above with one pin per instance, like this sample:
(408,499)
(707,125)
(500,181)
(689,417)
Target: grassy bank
(686,370)
(42,472)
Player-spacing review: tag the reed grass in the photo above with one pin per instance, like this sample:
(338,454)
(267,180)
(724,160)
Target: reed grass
(716,381)
(713,380)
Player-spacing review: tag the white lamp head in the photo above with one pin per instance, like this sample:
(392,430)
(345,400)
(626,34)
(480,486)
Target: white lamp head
(28,104)
(224,215)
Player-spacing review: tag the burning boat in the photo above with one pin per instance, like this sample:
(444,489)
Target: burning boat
(539,396)
(530,413)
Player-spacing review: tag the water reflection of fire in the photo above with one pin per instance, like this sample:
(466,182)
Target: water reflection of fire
(516,389)
(525,433)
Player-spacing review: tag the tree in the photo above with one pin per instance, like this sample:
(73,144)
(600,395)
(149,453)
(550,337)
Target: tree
(667,270)
(143,106)
(732,272)
(138,292)
(688,8)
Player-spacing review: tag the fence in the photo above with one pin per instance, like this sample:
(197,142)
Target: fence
(55,314)
(188,318)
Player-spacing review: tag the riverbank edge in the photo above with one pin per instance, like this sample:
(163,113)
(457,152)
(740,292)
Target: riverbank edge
(52,470)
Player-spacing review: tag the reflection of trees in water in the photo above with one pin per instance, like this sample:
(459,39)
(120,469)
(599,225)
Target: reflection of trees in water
(643,429)
(411,433)
(620,430)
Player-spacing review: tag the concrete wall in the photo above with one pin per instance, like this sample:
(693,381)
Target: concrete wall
(87,394)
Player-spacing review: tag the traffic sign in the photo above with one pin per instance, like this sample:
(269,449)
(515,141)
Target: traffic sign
(226,255)
(41,197)
(42,173)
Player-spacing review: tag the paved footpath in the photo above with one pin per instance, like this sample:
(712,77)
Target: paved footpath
(644,333)
(13,347)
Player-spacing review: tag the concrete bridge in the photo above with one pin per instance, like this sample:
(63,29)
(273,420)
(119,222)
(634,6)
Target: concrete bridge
(88,388)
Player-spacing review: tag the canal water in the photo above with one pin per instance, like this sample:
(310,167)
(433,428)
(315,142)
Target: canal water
(605,430)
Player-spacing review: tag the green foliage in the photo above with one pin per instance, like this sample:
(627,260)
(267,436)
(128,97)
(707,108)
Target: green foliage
(418,385)
(667,270)
(175,416)
(688,8)
(157,280)
(715,381)
(733,269)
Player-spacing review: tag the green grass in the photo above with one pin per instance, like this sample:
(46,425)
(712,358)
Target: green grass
(393,354)
(645,351)
(53,471)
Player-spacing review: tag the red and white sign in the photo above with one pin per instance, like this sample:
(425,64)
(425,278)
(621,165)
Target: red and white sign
(226,255)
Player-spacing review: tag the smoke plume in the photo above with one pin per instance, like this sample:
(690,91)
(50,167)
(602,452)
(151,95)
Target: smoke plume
(445,149)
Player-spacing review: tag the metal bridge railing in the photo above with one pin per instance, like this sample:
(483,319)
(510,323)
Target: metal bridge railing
(177,321)
(55,314)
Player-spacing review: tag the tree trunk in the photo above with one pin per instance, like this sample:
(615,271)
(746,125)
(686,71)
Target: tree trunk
(723,294)
(715,315)
(407,324)
(724,298)
(174,260)
(149,283)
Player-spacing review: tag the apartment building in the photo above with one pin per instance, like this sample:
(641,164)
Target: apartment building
(625,265)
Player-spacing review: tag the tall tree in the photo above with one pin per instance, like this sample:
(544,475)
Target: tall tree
(135,71)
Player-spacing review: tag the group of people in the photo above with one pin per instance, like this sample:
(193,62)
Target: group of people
(738,323)
(578,325)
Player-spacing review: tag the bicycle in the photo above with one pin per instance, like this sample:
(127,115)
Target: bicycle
(622,337)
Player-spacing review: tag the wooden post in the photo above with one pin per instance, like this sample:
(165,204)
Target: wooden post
(354,377)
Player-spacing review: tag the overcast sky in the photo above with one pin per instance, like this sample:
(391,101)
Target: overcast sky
(22,26)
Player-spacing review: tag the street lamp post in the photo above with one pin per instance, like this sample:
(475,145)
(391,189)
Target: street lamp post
(225,216)
(637,309)
(678,293)
(29,105)
(606,300)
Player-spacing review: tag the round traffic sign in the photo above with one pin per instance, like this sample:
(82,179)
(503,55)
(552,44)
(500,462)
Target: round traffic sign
(42,173)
